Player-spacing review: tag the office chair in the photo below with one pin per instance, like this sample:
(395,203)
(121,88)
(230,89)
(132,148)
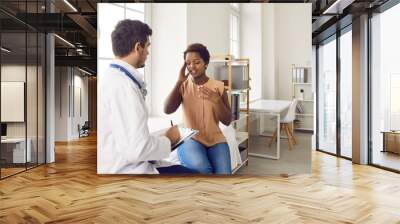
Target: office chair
(84,130)
(286,123)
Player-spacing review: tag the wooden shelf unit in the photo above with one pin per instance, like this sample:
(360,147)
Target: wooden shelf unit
(225,70)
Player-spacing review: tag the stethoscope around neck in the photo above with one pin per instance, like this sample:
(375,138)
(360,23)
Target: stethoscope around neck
(127,73)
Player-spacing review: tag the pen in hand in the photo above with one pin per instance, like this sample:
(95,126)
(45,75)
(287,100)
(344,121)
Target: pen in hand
(173,134)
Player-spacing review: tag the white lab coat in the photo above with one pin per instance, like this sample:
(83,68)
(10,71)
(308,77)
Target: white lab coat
(124,144)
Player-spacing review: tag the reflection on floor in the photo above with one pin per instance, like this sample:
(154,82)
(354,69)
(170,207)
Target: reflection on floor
(387,159)
(10,171)
(295,161)
(13,168)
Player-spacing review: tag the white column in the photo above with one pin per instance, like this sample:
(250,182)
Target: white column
(269,65)
(50,99)
(360,90)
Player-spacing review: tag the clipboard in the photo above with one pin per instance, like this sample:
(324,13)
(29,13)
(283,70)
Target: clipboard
(186,134)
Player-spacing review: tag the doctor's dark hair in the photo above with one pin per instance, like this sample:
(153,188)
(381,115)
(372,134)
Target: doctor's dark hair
(126,34)
(200,49)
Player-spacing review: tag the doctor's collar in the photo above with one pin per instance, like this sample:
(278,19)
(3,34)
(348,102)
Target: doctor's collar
(131,73)
(138,76)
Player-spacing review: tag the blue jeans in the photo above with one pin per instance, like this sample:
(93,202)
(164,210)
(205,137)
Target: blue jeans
(176,169)
(215,159)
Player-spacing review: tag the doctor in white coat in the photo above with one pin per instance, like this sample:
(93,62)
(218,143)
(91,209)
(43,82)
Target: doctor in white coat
(124,144)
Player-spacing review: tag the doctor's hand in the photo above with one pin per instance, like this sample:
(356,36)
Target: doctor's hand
(182,75)
(173,134)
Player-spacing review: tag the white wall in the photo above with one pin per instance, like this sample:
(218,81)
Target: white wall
(16,72)
(293,42)
(169,40)
(82,82)
(209,24)
(61,103)
(251,45)
(80,109)
(66,121)
(33,127)
(275,36)
(269,58)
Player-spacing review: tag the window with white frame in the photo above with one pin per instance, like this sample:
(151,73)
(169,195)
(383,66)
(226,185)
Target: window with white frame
(385,85)
(109,14)
(394,102)
(234,29)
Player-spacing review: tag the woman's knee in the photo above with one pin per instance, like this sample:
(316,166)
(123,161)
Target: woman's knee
(220,158)
(201,165)
(203,168)
(194,156)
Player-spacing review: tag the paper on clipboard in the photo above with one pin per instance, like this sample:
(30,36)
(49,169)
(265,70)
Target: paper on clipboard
(186,133)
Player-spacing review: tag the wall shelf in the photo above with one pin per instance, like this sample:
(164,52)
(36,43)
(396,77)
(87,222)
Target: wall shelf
(241,136)
(304,129)
(302,90)
(302,83)
(305,115)
(241,118)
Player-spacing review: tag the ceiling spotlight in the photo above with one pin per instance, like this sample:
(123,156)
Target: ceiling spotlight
(338,6)
(70,5)
(65,41)
(5,50)
(84,71)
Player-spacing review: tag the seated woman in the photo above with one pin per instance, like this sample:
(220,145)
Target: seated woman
(205,104)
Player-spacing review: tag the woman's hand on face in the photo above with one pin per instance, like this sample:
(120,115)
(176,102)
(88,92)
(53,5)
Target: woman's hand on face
(209,94)
(182,75)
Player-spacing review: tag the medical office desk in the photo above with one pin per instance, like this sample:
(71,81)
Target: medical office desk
(13,150)
(391,141)
(270,107)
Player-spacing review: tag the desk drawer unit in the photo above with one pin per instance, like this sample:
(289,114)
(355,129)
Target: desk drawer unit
(391,141)
(14,151)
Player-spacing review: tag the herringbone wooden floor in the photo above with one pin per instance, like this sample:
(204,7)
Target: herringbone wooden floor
(70,191)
